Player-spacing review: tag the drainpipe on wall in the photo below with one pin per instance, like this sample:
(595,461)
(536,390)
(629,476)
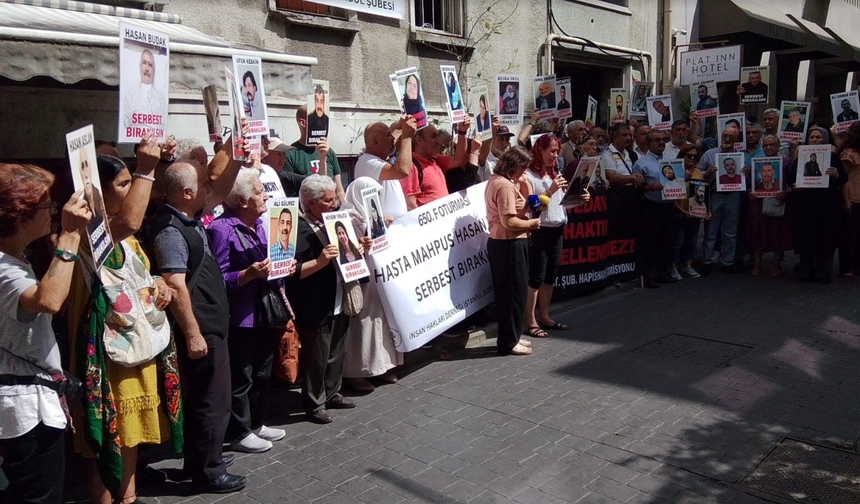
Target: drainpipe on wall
(666,36)
(547,65)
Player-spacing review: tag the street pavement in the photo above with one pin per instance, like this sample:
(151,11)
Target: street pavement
(595,415)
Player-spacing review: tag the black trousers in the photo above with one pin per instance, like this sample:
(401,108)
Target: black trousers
(657,237)
(849,251)
(321,361)
(509,261)
(545,246)
(206,407)
(34,464)
(252,351)
(817,263)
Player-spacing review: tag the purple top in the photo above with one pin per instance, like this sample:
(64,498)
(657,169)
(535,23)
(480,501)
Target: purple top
(232,259)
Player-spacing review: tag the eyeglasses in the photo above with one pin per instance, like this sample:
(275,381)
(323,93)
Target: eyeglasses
(50,207)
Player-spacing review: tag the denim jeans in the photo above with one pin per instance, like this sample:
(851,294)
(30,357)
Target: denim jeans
(725,210)
(686,236)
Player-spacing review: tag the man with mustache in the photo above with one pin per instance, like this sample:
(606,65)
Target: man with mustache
(282,249)
(253,108)
(318,121)
(145,98)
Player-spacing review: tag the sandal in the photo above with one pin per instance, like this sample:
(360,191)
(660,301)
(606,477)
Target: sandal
(521,350)
(554,327)
(525,343)
(536,332)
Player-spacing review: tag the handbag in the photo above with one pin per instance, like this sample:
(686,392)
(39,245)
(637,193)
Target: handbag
(772,207)
(135,330)
(274,310)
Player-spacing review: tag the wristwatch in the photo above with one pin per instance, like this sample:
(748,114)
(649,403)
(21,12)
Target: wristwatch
(65,255)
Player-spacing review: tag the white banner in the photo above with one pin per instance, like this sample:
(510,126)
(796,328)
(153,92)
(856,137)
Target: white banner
(720,64)
(436,271)
(385,8)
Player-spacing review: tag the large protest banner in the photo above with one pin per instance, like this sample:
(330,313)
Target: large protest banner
(436,271)
(591,258)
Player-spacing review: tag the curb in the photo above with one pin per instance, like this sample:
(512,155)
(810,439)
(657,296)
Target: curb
(443,346)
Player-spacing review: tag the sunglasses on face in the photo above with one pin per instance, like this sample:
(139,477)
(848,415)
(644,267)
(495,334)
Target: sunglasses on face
(691,156)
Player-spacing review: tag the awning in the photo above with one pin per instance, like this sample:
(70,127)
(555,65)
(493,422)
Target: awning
(748,21)
(79,41)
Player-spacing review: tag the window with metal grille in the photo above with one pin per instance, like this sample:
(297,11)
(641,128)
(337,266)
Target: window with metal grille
(306,7)
(439,15)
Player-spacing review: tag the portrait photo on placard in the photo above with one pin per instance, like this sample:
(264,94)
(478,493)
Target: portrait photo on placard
(144,83)
(562,91)
(639,98)
(699,199)
(341,234)
(591,112)
(660,112)
(812,164)
(410,95)
(375,219)
(737,121)
(248,71)
(672,179)
(282,234)
(618,106)
(767,176)
(318,110)
(543,88)
(81,148)
(730,175)
(703,97)
(754,84)
(794,120)
(451,83)
(479,103)
(510,98)
(845,109)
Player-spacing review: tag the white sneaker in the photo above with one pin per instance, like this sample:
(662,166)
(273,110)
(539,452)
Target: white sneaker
(674,275)
(251,444)
(690,272)
(270,434)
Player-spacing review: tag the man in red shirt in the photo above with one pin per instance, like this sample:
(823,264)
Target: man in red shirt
(426,181)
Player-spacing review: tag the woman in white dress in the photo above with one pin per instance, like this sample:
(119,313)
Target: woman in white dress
(370,350)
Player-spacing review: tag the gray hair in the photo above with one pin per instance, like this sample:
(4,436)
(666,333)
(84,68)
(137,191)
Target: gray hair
(770,137)
(185,148)
(569,128)
(314,187)
(243,187)
(179,176)
(771,111)
(755,126)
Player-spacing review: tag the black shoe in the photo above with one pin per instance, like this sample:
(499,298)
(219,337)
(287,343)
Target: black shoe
(319,416)
(148,476)
(226,483)
(228,459)
(705,269)
(341,403)
(734,269)
(650,284)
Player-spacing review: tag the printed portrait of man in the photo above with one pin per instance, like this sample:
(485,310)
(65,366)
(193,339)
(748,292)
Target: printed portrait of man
(282,249)
(619,109)
(563,104)
(734,123)
(318,121)
(144,97)
(661,109)
(795,122)
(698,197)
(847,114)
(705,101)
(811,167)
(768,180)
(546,97)
(92,195)
(640,100)
(671,181)
(253,106)
(754,85)
(731,175)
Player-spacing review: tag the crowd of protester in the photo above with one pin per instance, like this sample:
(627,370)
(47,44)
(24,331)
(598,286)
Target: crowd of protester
(182,266)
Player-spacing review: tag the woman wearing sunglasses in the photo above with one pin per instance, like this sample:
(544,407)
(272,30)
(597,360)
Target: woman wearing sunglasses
(687,231)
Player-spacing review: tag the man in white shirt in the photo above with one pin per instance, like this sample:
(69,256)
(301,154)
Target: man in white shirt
(491,151)
(379,144)
(615,161)
(679,139)
(640,145)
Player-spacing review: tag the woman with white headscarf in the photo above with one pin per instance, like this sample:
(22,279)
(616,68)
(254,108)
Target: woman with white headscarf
(370,346)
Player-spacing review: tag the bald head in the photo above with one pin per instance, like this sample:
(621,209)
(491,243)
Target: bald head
(178,177)
(378,140)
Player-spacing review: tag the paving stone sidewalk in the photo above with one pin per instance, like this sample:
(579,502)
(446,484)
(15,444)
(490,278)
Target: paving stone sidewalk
(594,416)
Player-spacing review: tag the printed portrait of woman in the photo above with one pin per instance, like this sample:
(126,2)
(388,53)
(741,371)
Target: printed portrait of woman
(454,93)
(412,103)
(348,250)
(377,225)
(483,122)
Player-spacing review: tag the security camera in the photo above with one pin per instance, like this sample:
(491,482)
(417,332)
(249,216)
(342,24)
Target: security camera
(676,31)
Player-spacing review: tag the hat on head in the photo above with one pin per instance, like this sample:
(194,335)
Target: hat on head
(504,131)
(276,145)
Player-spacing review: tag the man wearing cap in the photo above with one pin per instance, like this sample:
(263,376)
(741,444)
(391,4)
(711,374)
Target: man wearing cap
(491,151)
